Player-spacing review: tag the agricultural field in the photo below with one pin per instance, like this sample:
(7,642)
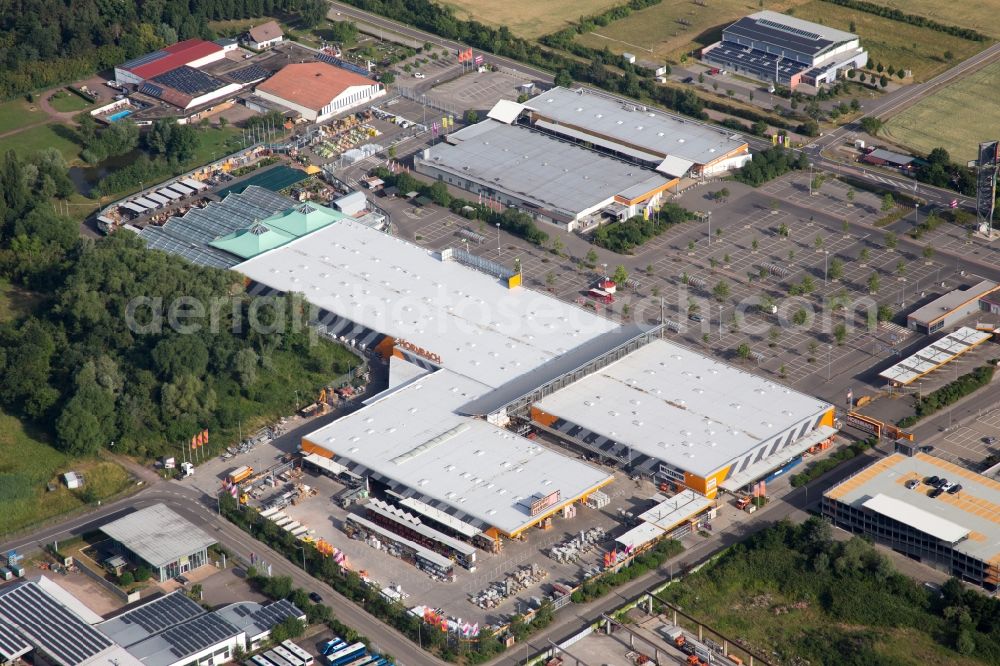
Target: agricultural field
(956,117)
(657,31)
(982,15)
(529,18)
(891,42)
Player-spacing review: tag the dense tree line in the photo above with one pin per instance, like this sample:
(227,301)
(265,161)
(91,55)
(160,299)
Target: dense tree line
(48,42)
(769,164)
(950,393)
(100,143)
(912,19)
(938,170)
(91,368)
(853,593)
(631,233)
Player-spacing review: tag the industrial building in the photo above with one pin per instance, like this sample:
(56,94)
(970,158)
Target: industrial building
(186,87)
(769,46)
(685,419)
(554,180)
(193,53)
(666,519)
(951,308)
(319,91)
(159,538)
(890,502)
(43,622)
(669,144)
(470,352)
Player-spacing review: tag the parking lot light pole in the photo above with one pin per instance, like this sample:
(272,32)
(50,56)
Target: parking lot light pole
(829,355)
(499,252)
(826,258)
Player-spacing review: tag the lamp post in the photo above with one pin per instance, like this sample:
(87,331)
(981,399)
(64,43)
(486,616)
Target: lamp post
(829,355)
(499,252)
(826,258)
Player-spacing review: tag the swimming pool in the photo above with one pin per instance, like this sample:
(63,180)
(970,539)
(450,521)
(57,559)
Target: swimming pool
(118,116)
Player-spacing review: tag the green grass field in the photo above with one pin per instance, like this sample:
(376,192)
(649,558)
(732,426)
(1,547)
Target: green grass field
(981,15)
(529,18)
(52,135)
(27,464)
(658,31)
(956,117)
(66,100)
(891,42)
(18,113)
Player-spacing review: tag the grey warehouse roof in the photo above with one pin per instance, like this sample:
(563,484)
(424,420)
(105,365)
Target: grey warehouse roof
(786,32)
(951,301)
(651,131)
(180,641)
(255,619)
(29,614)
(150,618)
(553,174)
(158,535)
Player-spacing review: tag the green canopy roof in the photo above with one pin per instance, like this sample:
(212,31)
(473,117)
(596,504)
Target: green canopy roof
(303,219)
(250,242)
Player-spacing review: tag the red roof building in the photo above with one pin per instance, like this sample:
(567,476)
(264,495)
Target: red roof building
(191,52)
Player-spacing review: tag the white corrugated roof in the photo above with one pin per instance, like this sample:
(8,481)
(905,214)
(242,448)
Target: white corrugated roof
(505,111)
(918,519)
(675,166)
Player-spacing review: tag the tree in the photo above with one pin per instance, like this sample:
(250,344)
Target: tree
(650,270)
(620,275)
(818,243)
(471,116)
(721,290)
(754,244)
(900,268)
(743,351)
(245,363)
(591,258)
(836,269)
(558,246)
(948,55)
(883,81)
(845,226)
(287,629)
(783,230)
(126,579)
(550,279)
(813,346)
(800,317)
(890,240)
(563,79)
(387,78)
(871,125)
(773,335)
(873,283)
(884,313)
(312,13)
(928,252)
(840,333)
(864,255)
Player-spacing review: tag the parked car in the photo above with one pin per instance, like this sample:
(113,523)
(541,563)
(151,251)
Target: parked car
(182,580)
(912,483)
(935,493)
(941,482)
(419,75)
(931,480)
(955,488)
(946,487)
(694,316)
(926,449)
(689,79)
(989,441)
(315,598)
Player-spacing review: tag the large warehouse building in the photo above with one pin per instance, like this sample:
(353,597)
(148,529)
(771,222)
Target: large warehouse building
(554,180)
(958,532)
(470,352)
(685,419)
(158,537)
(672,145)
(318,91)
(193,53)
(776,47)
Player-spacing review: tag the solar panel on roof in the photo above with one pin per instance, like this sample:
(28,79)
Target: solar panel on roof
(149,89)
(337,62)
(189,81)
(144,60)
(249,74)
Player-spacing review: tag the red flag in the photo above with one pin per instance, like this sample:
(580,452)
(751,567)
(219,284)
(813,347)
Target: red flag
(205,434)
(194,442)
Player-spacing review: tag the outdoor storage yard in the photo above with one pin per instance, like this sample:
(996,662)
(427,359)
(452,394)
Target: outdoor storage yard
(956,117)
